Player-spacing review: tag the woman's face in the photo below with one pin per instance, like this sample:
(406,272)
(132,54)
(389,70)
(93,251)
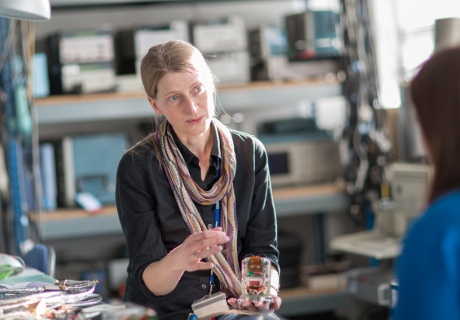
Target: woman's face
(186,102)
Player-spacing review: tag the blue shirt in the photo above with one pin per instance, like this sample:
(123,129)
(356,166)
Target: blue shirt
(428,269)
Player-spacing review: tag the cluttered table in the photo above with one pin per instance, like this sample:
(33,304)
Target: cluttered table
(71,299)
(34,295)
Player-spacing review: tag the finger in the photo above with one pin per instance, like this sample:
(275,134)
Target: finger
(206,253)
(208,234)
(276,304)
(196,263)
(204,266)
(262,305)
(241,306)
(195,256)
(205,250)
(203,240)
(218,238)
(233,302)
(249,306)
(198,258)
(197,242)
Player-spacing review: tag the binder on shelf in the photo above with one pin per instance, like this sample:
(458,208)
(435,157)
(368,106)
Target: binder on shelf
(41,86)
(24,169)
(62,170)
(68,172)
(48,176)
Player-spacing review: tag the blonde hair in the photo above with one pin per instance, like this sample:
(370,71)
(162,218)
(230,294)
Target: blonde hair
(174,56)
(171,56)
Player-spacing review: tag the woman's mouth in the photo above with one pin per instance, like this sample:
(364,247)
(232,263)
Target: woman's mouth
(195,120)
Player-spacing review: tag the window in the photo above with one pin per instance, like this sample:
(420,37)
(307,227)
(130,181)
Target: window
(404,36)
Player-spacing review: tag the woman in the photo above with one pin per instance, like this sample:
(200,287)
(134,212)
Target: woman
(194,198)
(429,267)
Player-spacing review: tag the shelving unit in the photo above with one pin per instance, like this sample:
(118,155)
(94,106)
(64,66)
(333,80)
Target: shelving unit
(62,4)
(101,108)
(116,106)
(288,202)
(59,115)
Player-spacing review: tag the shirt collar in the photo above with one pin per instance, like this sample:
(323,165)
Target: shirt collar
(188,155)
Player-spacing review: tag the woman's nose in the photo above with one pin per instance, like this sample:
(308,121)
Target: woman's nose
(190,105)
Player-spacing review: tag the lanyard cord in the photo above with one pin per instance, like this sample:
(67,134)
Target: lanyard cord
(193,316)
(216,224)
(217,208)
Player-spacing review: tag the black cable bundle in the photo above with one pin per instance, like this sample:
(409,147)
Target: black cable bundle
(369,149)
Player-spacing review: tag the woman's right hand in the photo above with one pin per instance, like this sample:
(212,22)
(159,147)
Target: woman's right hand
(192,253)
(161,277)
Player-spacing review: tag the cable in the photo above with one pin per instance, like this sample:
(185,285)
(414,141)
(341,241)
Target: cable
(20,137)
(7,28)
(29,51)
(8,41)
(369,148)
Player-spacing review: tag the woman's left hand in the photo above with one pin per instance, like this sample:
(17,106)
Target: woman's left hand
(273,304)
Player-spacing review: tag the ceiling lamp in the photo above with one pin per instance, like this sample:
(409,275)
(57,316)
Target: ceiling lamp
(35,10)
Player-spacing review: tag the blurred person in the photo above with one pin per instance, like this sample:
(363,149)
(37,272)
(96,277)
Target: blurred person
(428,270)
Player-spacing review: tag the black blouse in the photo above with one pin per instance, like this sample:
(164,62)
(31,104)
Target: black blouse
(153,225)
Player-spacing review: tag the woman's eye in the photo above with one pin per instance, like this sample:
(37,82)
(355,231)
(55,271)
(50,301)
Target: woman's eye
(174,98)
(199,89)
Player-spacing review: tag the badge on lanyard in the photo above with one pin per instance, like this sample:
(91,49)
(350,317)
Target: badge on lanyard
(211,304)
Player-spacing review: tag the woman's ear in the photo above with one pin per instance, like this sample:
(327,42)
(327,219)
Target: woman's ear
(154,105)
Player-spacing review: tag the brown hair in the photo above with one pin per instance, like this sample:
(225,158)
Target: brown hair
(173,56)
(435,93)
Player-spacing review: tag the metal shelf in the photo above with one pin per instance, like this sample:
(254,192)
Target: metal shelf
(288,202)
(116,106)
(88,4)
(67,224)
(295,201)
(298,301)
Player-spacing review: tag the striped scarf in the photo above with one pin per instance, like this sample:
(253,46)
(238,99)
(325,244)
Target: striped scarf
(187,193)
